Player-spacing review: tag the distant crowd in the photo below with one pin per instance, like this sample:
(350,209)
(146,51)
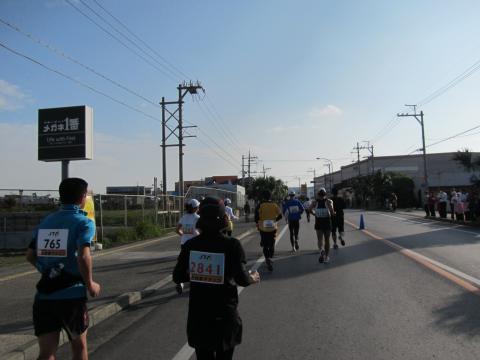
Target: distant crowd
(459,205)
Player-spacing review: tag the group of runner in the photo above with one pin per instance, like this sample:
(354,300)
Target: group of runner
(210,259)
(329,220)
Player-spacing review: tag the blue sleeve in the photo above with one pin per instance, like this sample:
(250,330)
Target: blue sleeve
(300,207)
(86,232)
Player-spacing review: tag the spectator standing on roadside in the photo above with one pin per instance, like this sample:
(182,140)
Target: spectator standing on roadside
(453,195)
(442,204)
(459,206)
(432,203)
(425,204)
(60,250)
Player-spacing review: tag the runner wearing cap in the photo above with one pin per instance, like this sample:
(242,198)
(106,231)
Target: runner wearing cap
(306,206)
(215,265)
(267,214)
(323,210)
(187,227)
(293,209)
(231,216)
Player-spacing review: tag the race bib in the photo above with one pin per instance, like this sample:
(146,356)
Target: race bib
(269,224)
(188,229)
(206,267)
(52,242)
(322,212)
(293,209)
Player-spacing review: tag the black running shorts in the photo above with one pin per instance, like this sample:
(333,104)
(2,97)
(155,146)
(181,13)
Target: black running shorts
(55,315)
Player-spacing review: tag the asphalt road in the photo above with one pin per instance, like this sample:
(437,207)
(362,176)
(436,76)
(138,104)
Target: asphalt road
(370,302)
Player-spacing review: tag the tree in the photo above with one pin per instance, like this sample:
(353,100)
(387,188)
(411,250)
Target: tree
(276,186)
(465,158)
(379,186)
(404,187)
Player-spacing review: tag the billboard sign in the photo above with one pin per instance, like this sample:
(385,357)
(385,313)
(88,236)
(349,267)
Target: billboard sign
(65,133)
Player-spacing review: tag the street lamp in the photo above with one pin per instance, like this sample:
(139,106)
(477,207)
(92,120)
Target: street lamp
(330,169)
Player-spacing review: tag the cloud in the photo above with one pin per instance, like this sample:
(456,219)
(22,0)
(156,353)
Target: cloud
(11,97)
(327,111)
(283,129)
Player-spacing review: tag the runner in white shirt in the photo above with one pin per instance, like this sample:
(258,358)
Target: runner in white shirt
(306,206)
(187,227)
(231,216)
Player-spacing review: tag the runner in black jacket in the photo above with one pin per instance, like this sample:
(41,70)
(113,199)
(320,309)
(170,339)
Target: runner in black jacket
(214,264)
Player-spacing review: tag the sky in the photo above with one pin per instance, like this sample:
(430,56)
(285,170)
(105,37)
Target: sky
(287,80)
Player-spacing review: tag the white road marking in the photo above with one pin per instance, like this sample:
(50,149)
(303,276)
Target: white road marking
(448,268)
(453,227)
(186,351)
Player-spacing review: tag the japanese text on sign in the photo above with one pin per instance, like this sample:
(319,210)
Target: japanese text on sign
(67,124)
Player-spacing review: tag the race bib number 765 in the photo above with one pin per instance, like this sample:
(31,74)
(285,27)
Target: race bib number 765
(206,267)
(52,242)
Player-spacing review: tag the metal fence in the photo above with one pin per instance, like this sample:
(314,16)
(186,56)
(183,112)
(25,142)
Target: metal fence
(22,210)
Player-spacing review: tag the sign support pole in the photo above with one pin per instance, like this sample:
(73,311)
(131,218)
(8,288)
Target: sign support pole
(65,164)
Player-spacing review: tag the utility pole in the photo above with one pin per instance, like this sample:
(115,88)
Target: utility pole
(314,176)
(265,171)
(176,129)
(420,121)
(358,157)
(251,160)
(243,170)
(370,150)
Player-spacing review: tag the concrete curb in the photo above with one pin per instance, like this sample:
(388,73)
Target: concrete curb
(29,350)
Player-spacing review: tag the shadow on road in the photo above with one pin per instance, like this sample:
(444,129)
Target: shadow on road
(461,316)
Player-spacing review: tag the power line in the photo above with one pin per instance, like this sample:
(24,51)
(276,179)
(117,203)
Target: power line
(91,88)
(216,152)
(102,18)
(121,42)
(227,135)
(464,75)
(392,124)
(453,136)
(116,38)
(180,72)
(69,58)
(221,120)
(217,127)
(213,141)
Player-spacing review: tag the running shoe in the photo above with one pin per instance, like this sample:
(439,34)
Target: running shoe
(335,246)
(269,265)
(326,260)
(342,242)
(179,288)
(293,249)
(321,259)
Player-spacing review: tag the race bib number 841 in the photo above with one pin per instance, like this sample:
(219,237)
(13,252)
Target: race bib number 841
(207,267)
(52,242)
